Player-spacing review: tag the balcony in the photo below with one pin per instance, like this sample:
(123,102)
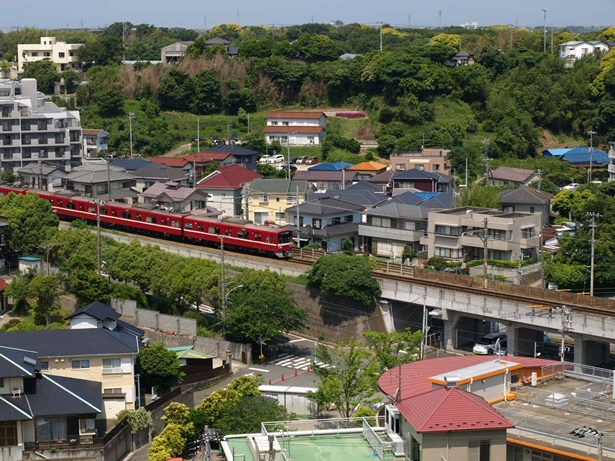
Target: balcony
(113,371)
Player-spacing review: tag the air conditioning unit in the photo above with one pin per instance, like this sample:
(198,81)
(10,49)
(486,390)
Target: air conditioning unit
(17,391)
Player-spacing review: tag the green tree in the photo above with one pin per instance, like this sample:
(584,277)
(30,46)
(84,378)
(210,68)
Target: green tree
(159,367)
(169,443)
(105,49)
(109,103)
(348,246)
(88,286)
(29,218)
(206,98)
(343,275)
(392,349)
(261,308)
(212,406)
(408,254)
(46,289)
(45,74)
(347,377)
(175,90)
(178,413)
(138,419)
(246,415)
(450,40)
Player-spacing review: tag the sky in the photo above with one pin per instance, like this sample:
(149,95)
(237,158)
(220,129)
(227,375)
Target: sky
(200,14)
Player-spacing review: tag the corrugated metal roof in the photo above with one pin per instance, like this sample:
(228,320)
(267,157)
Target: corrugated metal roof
(228,177)
(295,115)
(297,129)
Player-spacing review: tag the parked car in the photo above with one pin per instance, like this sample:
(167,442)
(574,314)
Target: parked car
(571,186)
(293,160)
(197,140)
(284,166)
(264,159)
(217,141)
(311,161)
(278,158)
(300,160)
(491,343)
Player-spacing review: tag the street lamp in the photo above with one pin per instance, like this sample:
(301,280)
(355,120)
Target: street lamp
(98,204)
(591,155)
(544,46)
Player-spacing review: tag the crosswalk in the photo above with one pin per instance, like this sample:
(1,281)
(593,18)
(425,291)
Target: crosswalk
(296,362)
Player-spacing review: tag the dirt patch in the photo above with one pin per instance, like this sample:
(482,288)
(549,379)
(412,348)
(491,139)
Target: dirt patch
(365,134)
(549,142)
(180,150)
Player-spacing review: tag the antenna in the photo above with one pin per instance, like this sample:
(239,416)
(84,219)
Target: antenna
(440,16)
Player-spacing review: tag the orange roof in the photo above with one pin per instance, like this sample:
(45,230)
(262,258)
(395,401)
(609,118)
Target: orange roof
(91,132)
(206,156)
(368,166)
(296,129)
(177,162)
(3,284)
(295,114)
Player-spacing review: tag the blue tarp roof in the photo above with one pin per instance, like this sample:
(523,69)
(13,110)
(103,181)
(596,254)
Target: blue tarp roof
(582,155)
(556,152)
(335,166)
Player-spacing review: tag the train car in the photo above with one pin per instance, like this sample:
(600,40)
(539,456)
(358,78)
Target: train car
(250,237)
(142,220)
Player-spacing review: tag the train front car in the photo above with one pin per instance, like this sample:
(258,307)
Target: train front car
(285,243)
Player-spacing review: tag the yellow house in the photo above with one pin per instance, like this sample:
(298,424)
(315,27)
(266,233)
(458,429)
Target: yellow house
(266,200)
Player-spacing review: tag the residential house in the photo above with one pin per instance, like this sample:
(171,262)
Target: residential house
(391,225)
(240,155)
(419,180)
(152,173)
(231,51)
(131,164)
(382,180)
(295,128)
(174,197)
(326,221)
(101,315)
(95,143)
(188,167)
(367,170)
(463,58)
(100,181)
(38,408)
(586,157)
(428,159)
(174,52)
(461,234)
(100,355)
(505,175)
(268,199)
(42,175)
(225,188)
(573,50)
(63,55)
(611,166)
(33,128)
(361,193)
(324,180)
(527,200)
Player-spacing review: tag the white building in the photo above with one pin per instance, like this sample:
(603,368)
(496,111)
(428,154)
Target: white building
(571,51)
(32,128)
(295,128)
(62,54)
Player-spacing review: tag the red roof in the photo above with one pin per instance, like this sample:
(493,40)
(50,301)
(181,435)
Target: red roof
(451,409)
(205,157)
(3,284)
(229,177)
(295,115)
(296,129)
(177,162)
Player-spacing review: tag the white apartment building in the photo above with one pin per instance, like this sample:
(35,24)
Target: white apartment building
(295,128)
(33,129)
(462,234)
(571,51)
(62,54)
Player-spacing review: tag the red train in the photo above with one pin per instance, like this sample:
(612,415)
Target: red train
(210,231)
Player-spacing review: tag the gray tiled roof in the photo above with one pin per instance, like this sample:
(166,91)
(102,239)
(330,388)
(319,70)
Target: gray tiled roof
(326,206)
(98,310)
(525,195)
(159,171)
(13,365)
(94,174)
(336,230)
(278,186)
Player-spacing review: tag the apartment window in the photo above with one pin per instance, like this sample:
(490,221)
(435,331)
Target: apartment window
(44,365)
(112,390)
(419,167)
(46,54)
(527,233)
(70,53)
(280,216)
(25,125)
(449,230)
(74,135)
(383,222)
(497,234)
(111,366)
(436,167)
(42,124)
(480,450)
(42,139)
(61,54)
(80,364)
(448,252)
(263,198)
(59,138)
(316,223)
(35,54)
(6,126)
(400,167)
(87,426)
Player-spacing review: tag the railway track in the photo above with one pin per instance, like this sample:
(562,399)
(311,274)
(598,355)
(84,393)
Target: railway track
(537,298)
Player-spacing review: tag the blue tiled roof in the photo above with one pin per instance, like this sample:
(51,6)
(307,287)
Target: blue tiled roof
(335,166)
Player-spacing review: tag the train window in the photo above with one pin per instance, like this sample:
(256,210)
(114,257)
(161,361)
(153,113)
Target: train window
(201,228)
(104,211)
(126,215)
(81,207)
(214,230)
(257,237)
(174,223)
(188,226)
(151,219)
(138,217)
(229,232)
(59,203)
(268,239)
(70,205)
(113,212)
(91,209)
(163,221)
(242,234)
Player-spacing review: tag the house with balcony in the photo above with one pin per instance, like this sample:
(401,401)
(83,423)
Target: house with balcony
(327,222)
(99,355)
(419,181)
(238,155)
(171,196)
(573,50)
(63,55)
(463,234)
(432,160)
(101,181)
(42,175)
(225,188)
(38,409)
(174,52)
(266,200)
(389,226)
(324,180)
(95,143)
(296,128)
(367,170)
(32,128)
(527,200)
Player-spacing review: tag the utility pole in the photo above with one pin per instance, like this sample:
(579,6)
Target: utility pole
(222,275)
(131,116)
(566,314)
(485,142)
(593,216)
(198,134)
(591,155)
(298,226)
(544,45)
(485,249)
(380,23)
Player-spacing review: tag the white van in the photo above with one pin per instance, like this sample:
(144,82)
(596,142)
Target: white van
(488,344)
